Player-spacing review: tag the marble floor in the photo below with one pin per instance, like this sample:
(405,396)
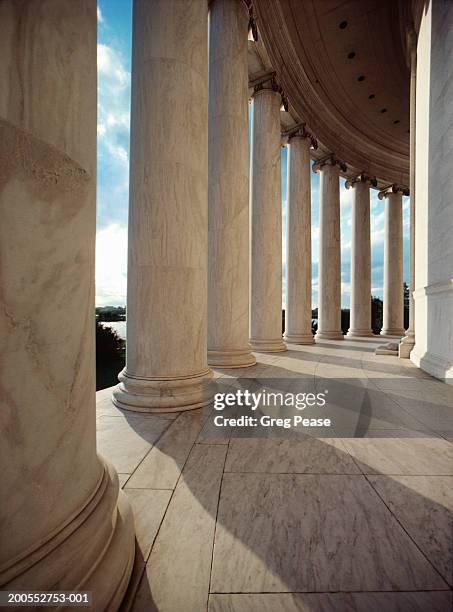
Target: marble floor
(349,522)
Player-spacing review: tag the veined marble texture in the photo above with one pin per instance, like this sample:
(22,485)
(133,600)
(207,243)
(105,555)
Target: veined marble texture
(329,309)
(64,523)
(287,533)
(296,523)
(228,218)
(266,225)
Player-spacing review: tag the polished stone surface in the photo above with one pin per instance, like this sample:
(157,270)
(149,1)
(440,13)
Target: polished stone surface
(166,362)
(298,242)
(360,260)
(393,306)
(266,224)
(433,293)
(299,523)
(332,602)
(424,507)
(64,523)
(315,533)
(228,191)
(329,281)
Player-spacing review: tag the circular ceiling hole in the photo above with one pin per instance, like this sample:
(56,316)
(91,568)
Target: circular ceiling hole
(343,25)
(351,55)
(361,78)
(371,96)
(383,110)
(396,121)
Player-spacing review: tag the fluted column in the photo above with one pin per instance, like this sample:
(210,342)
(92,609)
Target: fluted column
(360,324)
(228,278)
(64,524)
(166,364)
(408,341)
(393,309)
(329,266)
(266,219)
(298,241)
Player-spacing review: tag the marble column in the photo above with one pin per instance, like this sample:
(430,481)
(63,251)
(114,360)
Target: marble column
(408,341)
(64,523)
(360,324)
(298,241)
(433,295)
(393,309)
(266,220)
(228,262)
(329,264)
(166,363)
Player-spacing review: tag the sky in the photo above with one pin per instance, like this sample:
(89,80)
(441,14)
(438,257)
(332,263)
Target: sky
(114,72)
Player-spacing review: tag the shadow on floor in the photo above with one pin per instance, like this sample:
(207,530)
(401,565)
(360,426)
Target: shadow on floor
(240,533)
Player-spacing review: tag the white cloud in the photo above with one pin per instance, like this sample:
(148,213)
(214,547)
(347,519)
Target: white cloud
(111,68)
(377,236)
(113,135)
(111,265)
(100,18)
(113,104)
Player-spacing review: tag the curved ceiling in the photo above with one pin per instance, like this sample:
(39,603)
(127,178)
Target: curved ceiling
(342,66)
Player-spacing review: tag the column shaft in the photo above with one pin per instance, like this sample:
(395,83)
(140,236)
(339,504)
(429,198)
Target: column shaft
(408,342)
(228,277)
(166,367)
(360,261)
(266,230)
(64,524)
(298,243)
(393,315)
(329,270)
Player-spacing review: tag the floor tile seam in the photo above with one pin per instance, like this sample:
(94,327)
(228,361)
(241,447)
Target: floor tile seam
(386,393)
(215,523)
(152,445)
(407,532)
(333,592)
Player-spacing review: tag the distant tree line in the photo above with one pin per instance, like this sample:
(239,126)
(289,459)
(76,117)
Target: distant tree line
(111,349)
(110,356)
(376,315)
(110,313)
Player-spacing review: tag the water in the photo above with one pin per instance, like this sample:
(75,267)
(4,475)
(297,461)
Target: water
(118,326)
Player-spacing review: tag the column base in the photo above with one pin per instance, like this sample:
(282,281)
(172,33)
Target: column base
(359,333)
(329,335)
(268,346)
(391,348)
(169,395)
(436,365)
(234,358)
(392,333)
(299,338)
(406,345)
(93,551)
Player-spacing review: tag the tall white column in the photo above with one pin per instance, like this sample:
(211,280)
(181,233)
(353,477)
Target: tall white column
(407,343)
(298,242)
(329,266)
(393,309)
(266,219)
(360,324)
(64,524)
(166,365)
(433,294)
(228,278)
